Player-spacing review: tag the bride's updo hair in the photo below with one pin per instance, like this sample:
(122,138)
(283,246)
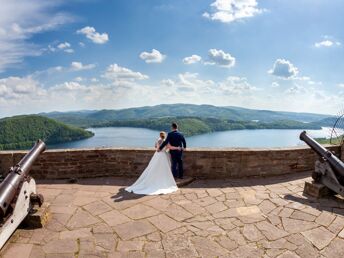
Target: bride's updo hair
(163,135)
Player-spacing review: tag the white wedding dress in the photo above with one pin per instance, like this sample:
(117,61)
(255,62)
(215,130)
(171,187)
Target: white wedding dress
(157,178)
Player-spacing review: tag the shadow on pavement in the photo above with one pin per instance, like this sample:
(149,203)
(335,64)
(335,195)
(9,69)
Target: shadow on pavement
(123,195)
(330,204)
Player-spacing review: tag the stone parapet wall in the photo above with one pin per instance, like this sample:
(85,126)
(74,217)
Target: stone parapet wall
(200,163)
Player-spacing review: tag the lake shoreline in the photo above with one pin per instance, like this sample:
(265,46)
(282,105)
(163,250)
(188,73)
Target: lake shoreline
(129,137)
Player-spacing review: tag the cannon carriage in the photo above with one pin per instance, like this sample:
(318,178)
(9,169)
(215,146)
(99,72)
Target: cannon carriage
(328,171)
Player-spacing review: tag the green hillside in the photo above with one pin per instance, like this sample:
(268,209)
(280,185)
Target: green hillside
(21,132)
(330,121)
(335,141)
(87,118)
(196,125)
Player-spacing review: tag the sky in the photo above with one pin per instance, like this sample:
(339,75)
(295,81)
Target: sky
(60,55)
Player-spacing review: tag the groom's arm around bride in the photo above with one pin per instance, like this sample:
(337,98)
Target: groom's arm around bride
(174,138)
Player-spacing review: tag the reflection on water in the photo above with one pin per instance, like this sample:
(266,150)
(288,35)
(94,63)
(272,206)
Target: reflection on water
(140,137)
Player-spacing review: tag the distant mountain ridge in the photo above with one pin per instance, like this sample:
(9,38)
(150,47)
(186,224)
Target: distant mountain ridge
(88,118)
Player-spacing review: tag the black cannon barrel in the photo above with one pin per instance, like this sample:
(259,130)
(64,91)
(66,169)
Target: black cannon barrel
(9,187)
(334,161)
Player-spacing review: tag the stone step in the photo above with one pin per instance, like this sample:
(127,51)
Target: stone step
(185,181)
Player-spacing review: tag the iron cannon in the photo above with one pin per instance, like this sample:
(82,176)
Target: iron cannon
(329,169)
(18,193)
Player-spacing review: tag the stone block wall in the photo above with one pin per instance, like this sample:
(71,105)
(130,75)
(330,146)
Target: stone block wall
(200,163)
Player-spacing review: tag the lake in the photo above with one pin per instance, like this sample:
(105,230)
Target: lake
(140,137)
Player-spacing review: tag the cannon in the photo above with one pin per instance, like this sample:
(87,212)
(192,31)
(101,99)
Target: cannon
(18,193)
(329,169)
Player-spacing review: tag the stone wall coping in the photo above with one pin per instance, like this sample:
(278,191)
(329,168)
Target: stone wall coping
(206,163)
(231,149)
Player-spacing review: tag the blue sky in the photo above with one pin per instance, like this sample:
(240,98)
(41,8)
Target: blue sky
(96,54)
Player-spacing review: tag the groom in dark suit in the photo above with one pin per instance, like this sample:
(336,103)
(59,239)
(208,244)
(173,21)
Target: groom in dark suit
(176,139)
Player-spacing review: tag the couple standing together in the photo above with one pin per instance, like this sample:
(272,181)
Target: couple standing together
(158,177)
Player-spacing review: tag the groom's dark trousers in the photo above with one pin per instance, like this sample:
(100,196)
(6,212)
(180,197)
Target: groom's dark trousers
(177,160)
(176,139)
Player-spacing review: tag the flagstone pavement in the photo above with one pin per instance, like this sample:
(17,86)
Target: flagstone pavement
(213,218)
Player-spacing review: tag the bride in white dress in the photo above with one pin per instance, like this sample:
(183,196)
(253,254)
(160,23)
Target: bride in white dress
(157,178)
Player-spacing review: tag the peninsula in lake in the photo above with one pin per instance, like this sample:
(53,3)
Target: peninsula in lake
(20,132)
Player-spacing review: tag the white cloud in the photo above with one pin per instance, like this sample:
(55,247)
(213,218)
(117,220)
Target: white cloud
(126,88)
(69,86)
(72,94)
(310,99)
(78,66)
(93,35)
(275,85)
(220,58)
(78,79)
(296,90)
(192,59)
(122,75)
(227,11)
(66,47)
(340,85)
(306,79)
(69,50)
(327,43)
(284,69)
(23,95)
(168,82)
(206,15)
(152,57)
(63,45)
(190,82)
(303,78)
(22,19)
(52,48)
(235,85)
(20,88)
(191,88)
(49,71)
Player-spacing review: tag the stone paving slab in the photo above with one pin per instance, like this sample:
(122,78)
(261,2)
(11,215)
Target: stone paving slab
(267,217)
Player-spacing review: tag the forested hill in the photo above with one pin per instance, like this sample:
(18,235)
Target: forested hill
(196,125)
(92,117)
(20,132)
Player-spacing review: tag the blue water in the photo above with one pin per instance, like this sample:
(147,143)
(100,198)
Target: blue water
(140,137)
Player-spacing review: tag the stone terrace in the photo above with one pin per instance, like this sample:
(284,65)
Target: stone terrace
(214,218)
